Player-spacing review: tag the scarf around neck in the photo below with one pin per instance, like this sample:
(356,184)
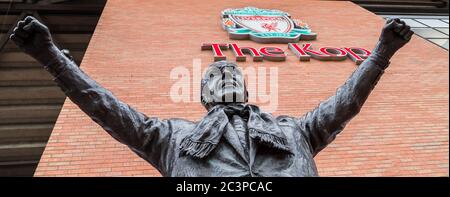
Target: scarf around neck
(262,128)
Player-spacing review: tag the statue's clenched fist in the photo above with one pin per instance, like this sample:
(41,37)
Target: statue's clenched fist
(394,36)
(33,38)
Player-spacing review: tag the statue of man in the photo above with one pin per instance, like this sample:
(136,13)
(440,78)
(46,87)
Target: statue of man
(234,138)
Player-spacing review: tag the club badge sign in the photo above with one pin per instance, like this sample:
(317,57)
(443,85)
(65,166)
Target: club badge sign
(275,26)
(264,26)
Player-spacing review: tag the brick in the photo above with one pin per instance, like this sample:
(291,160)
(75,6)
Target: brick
(402,130)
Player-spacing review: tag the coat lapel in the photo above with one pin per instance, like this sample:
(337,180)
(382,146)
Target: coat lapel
(232,138)
(253,148)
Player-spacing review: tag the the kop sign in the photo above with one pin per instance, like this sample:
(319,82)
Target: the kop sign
(274,26)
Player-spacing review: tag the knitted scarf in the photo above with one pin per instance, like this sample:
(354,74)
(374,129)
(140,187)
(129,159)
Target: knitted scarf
(262,128)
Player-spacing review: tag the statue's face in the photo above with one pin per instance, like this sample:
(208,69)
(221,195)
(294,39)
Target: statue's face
(223,83)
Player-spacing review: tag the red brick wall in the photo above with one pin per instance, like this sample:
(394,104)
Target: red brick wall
(402,130)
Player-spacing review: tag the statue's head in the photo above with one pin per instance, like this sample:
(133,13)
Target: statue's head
(223,83)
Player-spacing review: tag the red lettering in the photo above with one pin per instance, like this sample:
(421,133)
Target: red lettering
(239,53)
(334,53)
(314,54)
(273,54)
(217,50)
(356,54)
(300,53)
(304,53)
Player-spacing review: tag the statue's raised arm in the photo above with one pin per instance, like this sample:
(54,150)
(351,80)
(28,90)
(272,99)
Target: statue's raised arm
(322,124)
(148,137)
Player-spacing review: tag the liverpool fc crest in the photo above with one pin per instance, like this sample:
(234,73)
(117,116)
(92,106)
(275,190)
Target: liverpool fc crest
(264,26)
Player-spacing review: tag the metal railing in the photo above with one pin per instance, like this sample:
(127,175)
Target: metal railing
(410,7)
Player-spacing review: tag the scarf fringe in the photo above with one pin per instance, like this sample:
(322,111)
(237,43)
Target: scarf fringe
(270,140)
(196,149)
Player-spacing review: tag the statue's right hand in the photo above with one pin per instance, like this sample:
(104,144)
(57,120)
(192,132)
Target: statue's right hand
(33,38)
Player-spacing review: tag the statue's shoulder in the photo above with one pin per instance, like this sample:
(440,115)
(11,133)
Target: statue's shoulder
(285,119)
(181,127)
(180,124)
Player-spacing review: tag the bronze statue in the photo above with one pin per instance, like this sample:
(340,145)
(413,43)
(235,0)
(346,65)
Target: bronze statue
(234,138)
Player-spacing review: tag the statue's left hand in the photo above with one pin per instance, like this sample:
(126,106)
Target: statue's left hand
(394,36)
